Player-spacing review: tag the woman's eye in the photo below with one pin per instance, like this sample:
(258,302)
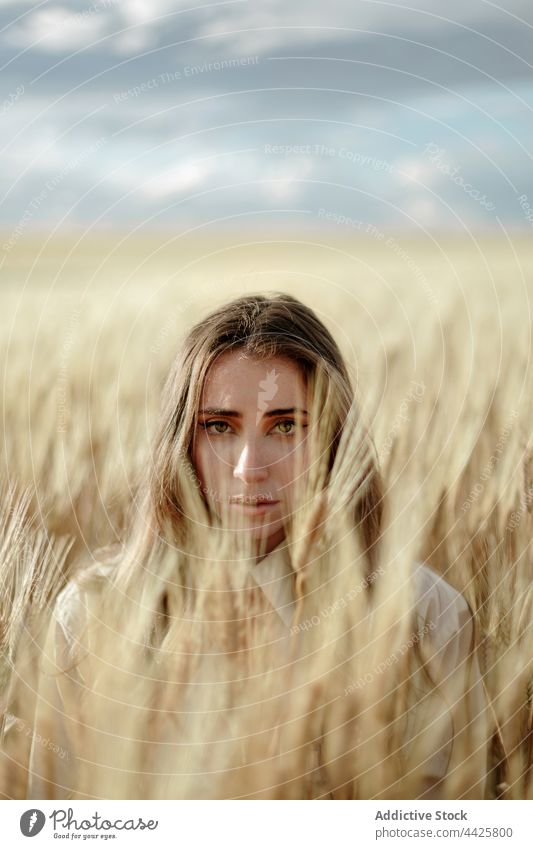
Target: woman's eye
(215,426)
(286,425)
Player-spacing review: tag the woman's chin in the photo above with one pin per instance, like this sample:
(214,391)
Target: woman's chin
(258,529)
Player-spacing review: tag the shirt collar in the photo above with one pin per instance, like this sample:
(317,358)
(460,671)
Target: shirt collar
(275,577)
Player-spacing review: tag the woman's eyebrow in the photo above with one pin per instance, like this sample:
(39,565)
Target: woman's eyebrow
(285,411)
(218,411)
(281,411)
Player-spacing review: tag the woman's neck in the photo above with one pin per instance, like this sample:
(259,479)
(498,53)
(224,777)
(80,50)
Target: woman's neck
(272,543)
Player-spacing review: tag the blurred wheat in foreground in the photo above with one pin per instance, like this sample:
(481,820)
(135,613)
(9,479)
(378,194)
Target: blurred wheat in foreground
(221,703)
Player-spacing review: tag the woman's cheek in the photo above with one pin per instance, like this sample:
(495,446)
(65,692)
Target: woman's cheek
(203,463)
(218,468)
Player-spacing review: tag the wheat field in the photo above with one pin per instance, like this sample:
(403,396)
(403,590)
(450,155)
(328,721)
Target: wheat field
(438,338)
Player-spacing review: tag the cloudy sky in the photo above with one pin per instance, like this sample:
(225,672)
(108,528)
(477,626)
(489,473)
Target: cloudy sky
(404,114)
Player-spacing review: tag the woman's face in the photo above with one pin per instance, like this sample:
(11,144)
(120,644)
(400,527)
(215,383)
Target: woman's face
(249,448)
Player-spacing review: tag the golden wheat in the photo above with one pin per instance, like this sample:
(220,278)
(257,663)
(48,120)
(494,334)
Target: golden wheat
(441,352)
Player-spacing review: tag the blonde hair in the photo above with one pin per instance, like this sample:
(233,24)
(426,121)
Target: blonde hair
(261,326)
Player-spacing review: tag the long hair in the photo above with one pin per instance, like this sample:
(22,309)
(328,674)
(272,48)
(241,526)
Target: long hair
(261,326)
(170,503)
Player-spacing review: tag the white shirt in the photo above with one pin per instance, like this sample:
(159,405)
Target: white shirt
(459,701)
(453,663)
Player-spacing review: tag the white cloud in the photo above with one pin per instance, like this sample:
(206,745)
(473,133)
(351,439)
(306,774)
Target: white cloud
(133,41)
(281,190)
(249,27)
(57,29)
(141,12)
(415,170)
(423,211)
(182,178)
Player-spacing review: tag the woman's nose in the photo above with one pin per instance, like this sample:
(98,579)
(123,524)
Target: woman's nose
(250,467)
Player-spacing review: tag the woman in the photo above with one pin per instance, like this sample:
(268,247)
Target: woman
(262,465)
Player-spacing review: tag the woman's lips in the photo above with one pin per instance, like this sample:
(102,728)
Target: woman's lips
(256,507)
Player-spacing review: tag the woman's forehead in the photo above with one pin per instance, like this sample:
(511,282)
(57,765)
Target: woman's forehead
(241,377)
